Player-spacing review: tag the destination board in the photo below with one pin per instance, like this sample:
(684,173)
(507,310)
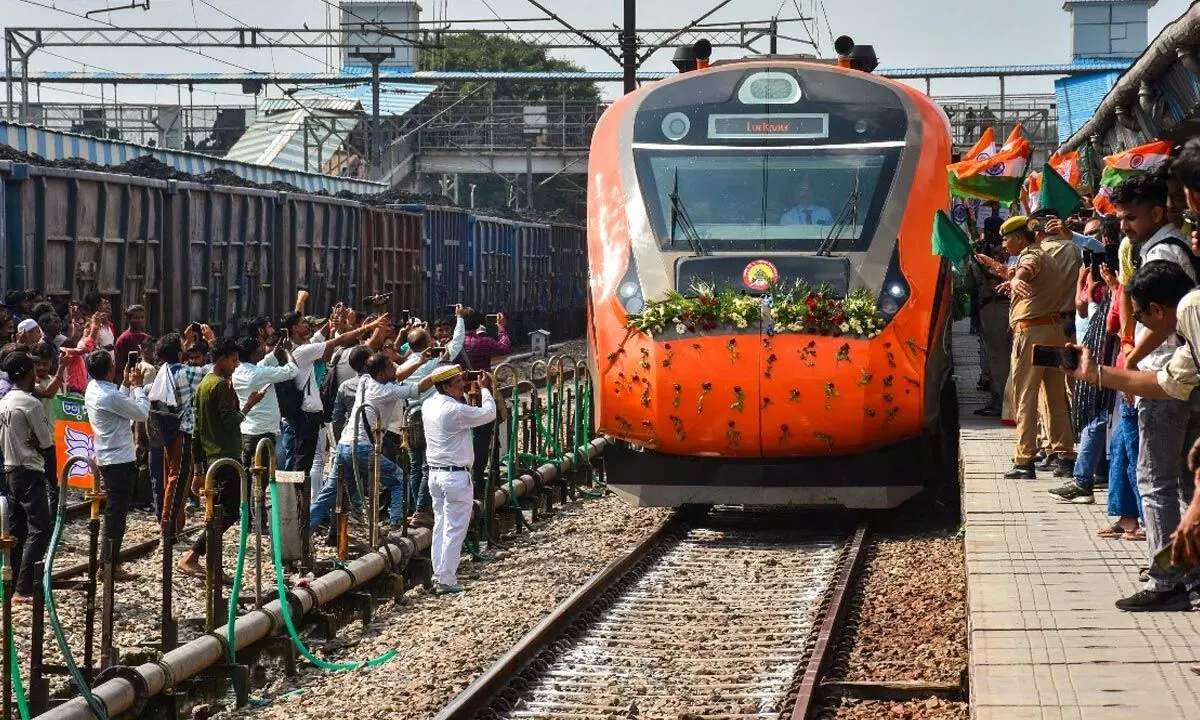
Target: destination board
(794,126)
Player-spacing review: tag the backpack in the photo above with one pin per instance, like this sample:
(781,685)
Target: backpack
(291,400)
(1173,241)
(329,388)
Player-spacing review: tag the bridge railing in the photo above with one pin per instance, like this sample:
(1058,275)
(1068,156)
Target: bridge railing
(491,126)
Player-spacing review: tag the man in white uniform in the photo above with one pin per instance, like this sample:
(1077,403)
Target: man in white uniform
(449,454)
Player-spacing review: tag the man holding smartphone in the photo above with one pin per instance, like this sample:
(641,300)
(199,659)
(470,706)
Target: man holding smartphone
(1165,302)
(1035,316)
(419,340)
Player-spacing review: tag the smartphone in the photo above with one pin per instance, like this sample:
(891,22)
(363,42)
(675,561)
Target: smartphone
(1112,257)
(474,375)
(134,358)
(1095,261)
(492,317)
(1056,357)
(1036,226)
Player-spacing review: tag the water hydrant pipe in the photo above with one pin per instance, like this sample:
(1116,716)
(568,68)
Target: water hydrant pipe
(118,695)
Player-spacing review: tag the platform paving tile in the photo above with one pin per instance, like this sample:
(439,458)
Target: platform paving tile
(1046,642)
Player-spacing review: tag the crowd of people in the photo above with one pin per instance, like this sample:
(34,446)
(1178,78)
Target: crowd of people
(1088,329)
(321,391)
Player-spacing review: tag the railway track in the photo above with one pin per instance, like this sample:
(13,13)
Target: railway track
(725,616)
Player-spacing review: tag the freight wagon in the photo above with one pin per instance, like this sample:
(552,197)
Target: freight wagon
(188,250)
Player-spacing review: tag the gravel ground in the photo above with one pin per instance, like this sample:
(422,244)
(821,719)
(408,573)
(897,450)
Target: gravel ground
(915,582)
(914,579)
(444,643)
(931,709)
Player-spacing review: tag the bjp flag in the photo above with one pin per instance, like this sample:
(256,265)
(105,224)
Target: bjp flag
(73,436)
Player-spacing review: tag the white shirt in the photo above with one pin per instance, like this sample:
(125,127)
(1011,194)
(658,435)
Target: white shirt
(448,424)
(24,431)
(305,357)
(263,418)
(453,348)
(384,401)
(105,338)
(112,412)
(1157,359)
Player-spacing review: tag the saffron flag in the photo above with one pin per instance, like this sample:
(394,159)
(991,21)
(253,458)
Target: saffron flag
(996,177)
(949,240)
(1057,193)
(1030,192)
(1068,168)
(73,436)
(1121,166)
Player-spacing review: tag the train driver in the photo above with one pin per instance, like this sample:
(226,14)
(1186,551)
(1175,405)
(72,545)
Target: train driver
(804,212)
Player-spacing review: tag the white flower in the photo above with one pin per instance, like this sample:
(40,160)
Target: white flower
(845,327)
(741,323)
(794,327)
(680,328)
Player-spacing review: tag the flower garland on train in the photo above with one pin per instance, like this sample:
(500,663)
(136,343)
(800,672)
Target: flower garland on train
(798,308)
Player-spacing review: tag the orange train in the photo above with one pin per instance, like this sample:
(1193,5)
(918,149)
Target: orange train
(758,173)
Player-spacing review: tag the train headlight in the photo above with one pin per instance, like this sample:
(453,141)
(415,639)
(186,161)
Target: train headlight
(895,288)
(676,126)
(770,87)
(629,291)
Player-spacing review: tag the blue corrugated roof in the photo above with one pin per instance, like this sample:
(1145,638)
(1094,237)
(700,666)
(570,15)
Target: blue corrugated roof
(57,145)
(395,99)
(1078,99)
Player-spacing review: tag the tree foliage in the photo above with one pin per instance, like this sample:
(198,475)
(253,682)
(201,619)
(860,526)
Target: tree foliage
(479,51)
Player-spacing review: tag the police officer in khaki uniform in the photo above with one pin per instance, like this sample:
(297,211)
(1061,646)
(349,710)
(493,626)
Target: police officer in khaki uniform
(1056,242)
(1035,316)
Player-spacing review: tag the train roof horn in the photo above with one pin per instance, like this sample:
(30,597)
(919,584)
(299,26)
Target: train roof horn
(693,57)
(851,55)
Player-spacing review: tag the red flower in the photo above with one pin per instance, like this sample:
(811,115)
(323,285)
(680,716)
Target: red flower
(666,346)
(811,303)
(839,319)
(737,389)
(710,325)
(733,341)
(771,358)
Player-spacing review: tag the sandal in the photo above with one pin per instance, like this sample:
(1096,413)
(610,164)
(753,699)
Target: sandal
(1138,535)
(1115,532)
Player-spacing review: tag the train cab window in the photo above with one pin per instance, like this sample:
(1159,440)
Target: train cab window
(765,199)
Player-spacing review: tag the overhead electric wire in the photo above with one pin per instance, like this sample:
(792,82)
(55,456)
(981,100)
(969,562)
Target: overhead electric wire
(245,24)
(134,31)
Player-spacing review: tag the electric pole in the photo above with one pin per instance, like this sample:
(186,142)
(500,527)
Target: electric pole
(629,46)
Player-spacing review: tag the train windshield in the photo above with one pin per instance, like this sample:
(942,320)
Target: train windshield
(765,199)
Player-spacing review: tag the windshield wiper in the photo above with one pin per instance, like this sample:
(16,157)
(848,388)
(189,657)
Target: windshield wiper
(680,220)
(848,217)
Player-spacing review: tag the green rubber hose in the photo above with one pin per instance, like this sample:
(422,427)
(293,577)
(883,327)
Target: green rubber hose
(285,606)
(243,541)
(18,686)
(48,592)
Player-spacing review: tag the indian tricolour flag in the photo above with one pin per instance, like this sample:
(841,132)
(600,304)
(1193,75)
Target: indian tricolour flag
(1125,164)
(996,177)
(985,148)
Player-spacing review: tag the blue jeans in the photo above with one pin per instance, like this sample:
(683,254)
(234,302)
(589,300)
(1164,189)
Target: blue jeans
(418,482)
(1091,450)
(284,446)
(391,478)
(1124,498)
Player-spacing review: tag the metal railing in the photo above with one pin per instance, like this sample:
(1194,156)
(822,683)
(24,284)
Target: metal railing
(498,125)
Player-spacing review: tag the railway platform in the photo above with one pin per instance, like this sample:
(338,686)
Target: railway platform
(1045,640)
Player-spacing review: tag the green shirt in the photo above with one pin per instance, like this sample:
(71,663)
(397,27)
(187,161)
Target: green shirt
(218,431)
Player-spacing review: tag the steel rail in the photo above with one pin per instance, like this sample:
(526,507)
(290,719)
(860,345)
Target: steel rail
(479,694)
(835,613)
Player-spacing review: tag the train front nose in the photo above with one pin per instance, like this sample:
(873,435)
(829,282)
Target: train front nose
(751,394)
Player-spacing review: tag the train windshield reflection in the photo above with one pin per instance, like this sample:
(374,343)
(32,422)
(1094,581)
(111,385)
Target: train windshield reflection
(781,200)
